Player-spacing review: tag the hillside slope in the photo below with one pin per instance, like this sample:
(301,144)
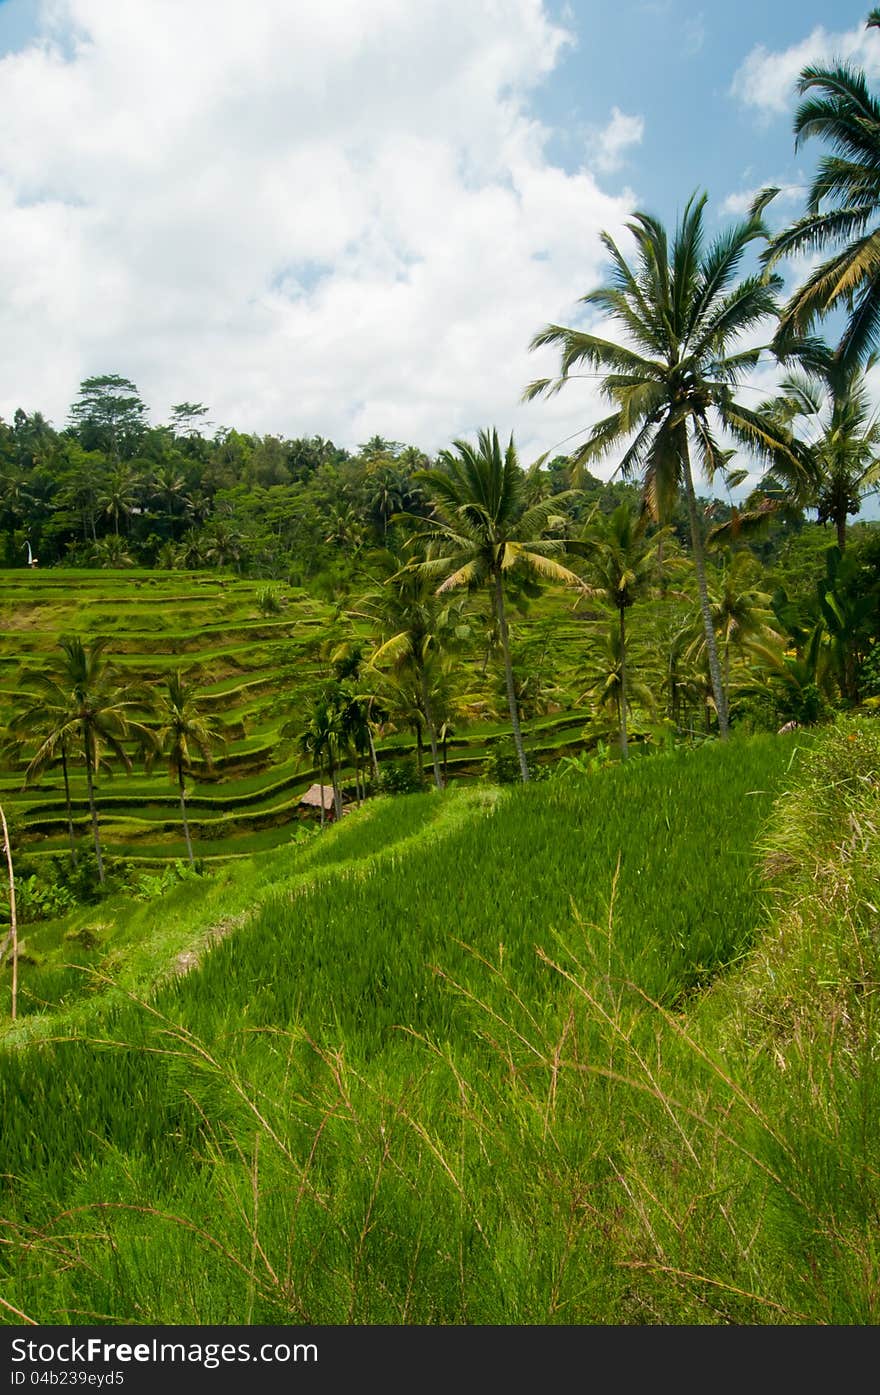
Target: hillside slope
(450,1062)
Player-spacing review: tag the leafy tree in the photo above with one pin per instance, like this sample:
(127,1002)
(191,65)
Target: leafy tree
(672,383)
(482,531)
(184,734)
(108,415)
(843,205)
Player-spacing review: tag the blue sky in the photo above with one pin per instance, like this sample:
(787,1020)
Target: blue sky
(351,219)
(673,63)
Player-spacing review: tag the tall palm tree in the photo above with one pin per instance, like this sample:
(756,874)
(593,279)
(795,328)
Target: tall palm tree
(622,569)
(682,312)
(483,530)
(183,734)
(95,708)
(829,406)
(843,207)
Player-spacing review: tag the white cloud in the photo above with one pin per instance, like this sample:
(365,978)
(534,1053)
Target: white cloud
(741,200)
(335,219)
(610,143)
(766,79)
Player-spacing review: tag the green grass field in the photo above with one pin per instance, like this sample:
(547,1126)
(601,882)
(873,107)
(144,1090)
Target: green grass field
(521,1056)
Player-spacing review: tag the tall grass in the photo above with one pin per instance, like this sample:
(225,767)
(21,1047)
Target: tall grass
(471,1075)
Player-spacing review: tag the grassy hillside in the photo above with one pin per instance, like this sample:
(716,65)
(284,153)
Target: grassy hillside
(480,1057)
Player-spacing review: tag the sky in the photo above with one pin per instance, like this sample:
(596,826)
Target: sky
(350,219)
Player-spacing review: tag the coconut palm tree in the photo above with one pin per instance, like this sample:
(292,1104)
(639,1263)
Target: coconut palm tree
(741,615)
(416,627)
(92,707)
(843,207)
(828,406)
(608,685)
(482,530)
(44,719)
(622,569)
(682,312)
(183,734)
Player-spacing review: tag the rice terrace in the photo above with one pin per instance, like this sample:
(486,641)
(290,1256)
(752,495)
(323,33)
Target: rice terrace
(440,887)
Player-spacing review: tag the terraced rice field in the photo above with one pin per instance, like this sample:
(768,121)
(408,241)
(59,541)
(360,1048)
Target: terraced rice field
(253,674)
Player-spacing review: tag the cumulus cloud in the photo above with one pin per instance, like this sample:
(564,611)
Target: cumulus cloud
(766,79)
(336,219)
(610,143)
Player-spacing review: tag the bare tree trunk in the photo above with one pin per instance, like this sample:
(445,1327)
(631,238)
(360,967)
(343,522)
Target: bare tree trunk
(624,750)
(700,568)
(189,846)
(13,919)
(93,808)
(508,674)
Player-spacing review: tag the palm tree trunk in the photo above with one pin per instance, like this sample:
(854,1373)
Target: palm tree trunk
(700,568)
(13,920)
(189,846)
(624,751)
(337,793)
(67,802)
(508,674)
(840,522)
(373,757)
(438,779)
(93,808)
(420,754)
(321,788)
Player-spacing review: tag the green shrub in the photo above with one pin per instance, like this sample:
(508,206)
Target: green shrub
(400,777)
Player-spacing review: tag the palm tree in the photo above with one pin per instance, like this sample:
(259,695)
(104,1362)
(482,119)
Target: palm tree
(46,719)
(839,109)
(416,627)
(622,569)
(682,312)
(482,530)
(118,495)
(607,682)
(91,707)
(323,738)
(183,733)
(828,404)
(741,615)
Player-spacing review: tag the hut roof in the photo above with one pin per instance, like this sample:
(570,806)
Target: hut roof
(317,795)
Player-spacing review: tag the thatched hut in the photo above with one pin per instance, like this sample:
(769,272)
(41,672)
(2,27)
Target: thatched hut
(320,797)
